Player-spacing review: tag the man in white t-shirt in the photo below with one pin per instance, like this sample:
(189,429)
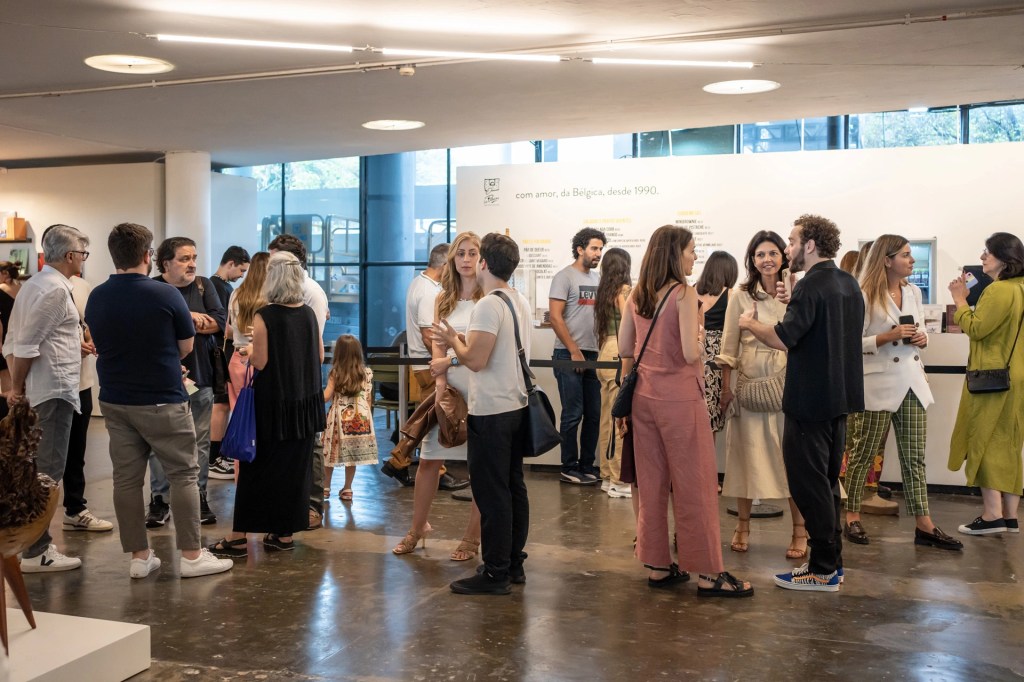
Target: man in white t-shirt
(497,417)
(419,315)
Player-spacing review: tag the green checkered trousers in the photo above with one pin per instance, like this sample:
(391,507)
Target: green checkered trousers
(911,425)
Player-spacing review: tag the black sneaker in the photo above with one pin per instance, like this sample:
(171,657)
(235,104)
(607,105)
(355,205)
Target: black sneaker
(206,515)
(883,491)
(1012,526)
(159,512)
(516,574)
(980,526)
(481,583)
(449,482)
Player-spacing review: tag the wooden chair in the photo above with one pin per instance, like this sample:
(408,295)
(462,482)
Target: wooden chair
(385,374)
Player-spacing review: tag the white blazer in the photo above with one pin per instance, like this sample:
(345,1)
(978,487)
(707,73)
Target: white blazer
(892,369)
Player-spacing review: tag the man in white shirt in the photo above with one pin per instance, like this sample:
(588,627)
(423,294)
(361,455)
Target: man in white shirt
(44,351)
(419,315)
(497,417)
(315,297)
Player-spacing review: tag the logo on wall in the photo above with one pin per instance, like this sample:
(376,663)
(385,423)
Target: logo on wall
(491,187)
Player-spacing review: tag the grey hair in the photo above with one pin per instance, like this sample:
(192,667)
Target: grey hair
(438,256)
(284,279)
(59,240)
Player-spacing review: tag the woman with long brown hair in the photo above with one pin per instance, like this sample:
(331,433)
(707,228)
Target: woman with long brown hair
(9,288)
(459,293)
(672,431)
(611,301)
(754,468)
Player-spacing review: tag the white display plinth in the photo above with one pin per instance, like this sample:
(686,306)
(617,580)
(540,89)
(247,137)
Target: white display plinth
(71,648)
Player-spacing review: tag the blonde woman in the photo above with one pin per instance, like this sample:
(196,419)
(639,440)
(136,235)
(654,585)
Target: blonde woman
(459,293)
(896,389)
(242,307)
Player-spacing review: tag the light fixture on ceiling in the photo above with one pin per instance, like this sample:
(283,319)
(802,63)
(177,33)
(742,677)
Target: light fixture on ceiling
(672,62)
(918,110)
(453,54)
(128,63)
(240,42)
(393,124)
(741,87)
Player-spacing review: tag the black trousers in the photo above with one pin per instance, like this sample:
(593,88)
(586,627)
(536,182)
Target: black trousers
(813,453)
(74,470)
(495,460)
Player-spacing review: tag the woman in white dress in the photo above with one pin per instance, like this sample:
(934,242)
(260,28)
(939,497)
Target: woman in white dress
(459,294)
(753,440)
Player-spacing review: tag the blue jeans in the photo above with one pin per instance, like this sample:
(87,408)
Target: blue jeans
(55,422)
(580,393)
(202,408)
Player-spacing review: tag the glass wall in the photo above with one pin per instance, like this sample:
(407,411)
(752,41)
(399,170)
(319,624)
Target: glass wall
(369,223)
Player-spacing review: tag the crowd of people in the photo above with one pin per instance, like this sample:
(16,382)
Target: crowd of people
(805,375)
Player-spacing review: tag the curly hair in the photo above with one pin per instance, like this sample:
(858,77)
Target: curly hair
(822,230)
(581,239)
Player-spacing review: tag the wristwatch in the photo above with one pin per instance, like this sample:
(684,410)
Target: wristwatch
(455,361)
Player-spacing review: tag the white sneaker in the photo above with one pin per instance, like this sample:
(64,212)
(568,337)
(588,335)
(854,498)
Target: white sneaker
(86,521)
(605,484)
(205,564)
(620,490)
(140,568)
(49,561)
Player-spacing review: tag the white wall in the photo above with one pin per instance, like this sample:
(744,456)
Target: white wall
(958,195)
(234,215)
(91,198)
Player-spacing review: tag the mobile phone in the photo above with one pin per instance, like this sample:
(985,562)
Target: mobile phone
(906,319)
(785,280)
(969,279)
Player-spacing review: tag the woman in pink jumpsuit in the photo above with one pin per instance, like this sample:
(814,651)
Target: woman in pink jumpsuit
(671,428)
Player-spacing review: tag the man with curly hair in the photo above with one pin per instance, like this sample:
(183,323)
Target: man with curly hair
(824,382)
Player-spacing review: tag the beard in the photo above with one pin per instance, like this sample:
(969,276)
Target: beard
(796,262)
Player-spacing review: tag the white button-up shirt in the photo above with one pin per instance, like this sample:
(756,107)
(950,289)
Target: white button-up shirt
(45,325)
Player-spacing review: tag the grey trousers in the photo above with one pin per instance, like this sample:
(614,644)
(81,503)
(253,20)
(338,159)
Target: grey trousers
(202,410)
(167,431)
(55,421)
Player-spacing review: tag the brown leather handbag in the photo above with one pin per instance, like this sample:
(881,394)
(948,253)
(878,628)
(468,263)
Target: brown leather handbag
(451,411)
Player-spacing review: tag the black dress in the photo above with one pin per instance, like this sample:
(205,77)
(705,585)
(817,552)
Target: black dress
(273,490)
(6,306)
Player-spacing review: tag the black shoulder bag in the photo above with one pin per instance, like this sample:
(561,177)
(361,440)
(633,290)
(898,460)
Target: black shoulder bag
(623,405)
(540,433)
(992,380)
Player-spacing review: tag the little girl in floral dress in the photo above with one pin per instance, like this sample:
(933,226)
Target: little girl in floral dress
(349,438)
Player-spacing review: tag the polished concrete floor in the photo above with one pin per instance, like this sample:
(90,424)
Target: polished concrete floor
(343,607)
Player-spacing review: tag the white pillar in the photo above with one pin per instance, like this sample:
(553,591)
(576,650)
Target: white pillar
(187,203)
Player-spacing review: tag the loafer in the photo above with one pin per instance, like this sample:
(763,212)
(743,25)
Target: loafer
(883,491)
(855,533)
(401,475)
(449,482)
(937,539)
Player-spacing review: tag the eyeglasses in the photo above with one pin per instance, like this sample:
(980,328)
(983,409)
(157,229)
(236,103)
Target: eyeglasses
(985,252)
(152,252)
(83,254)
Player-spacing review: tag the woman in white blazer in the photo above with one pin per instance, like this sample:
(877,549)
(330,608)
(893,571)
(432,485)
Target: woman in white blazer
(895,388)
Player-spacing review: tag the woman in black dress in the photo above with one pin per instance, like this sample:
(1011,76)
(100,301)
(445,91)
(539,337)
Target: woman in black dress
(718,277)
(9,287)
(273,490)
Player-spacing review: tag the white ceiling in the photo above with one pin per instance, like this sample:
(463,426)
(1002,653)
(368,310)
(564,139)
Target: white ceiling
(830,56)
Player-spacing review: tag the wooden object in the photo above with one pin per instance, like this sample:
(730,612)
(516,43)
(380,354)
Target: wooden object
(13,541)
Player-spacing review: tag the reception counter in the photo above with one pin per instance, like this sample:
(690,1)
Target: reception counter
(944,359)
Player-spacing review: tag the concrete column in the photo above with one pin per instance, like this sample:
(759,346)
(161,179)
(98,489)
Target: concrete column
(390,228)
(187,204)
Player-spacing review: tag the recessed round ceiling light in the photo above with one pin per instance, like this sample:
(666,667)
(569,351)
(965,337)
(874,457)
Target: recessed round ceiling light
(127,63)
(389,124)
(741,87)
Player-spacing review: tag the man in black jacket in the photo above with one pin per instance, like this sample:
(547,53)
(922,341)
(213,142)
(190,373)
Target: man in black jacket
(824,382)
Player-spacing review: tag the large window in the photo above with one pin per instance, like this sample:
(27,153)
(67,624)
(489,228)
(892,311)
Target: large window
(905,129)
(996,123)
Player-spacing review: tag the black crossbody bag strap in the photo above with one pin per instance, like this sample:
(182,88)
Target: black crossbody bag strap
(527,374)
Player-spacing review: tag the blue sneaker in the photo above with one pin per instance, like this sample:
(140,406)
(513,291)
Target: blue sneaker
(839,574)
(802,579)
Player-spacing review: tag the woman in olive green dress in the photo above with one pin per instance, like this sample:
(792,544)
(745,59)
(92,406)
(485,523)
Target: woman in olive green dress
(989,431)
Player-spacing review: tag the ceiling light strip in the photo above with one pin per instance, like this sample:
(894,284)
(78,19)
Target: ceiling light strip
(239,42)
(453,54)
(672,62)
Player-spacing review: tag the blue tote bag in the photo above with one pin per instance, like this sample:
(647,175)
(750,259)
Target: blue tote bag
(240,438)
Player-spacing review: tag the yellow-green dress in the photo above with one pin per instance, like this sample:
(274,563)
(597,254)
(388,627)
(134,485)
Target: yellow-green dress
(989,431)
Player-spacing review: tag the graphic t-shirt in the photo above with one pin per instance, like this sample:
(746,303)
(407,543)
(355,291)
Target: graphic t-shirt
(579,291)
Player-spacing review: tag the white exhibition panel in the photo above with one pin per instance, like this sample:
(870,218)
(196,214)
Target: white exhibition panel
(957,195)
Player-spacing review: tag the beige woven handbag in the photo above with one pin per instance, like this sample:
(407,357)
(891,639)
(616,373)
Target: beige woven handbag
(763,394)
